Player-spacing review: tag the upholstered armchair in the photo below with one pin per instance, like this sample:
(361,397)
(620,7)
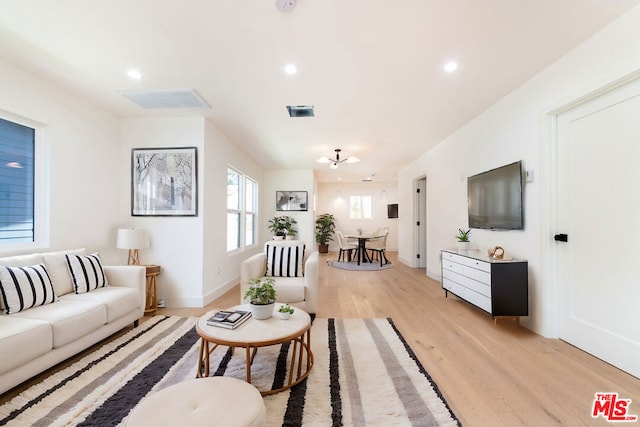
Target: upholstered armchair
(291,266)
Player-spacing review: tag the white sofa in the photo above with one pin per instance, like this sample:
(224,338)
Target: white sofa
(300,290)
(39,337)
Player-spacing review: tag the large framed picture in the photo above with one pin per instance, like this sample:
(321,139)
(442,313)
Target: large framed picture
(164,182)
(291,201)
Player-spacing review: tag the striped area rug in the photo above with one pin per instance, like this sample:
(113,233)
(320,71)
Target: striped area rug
(364,375)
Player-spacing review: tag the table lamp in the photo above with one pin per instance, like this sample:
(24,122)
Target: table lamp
(132,239)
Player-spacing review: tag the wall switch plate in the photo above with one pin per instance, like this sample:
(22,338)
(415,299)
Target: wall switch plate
(529,175)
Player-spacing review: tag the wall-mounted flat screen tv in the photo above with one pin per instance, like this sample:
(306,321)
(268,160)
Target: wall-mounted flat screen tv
(495,198)
(392,210)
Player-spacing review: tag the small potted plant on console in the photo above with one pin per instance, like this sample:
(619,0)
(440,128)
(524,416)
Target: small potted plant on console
(262,298)
(463,240)
(285,311)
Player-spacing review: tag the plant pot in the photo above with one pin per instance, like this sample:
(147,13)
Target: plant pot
(262,312)
(323,248)
(284,316)
(463,246)
(278,237)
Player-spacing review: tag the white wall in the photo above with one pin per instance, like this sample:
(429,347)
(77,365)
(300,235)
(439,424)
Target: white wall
(338,205)
(517,127)
(82,143)
(192,251)
(289,180)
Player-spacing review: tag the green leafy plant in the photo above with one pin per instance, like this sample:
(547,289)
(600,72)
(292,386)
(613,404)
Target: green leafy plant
(281,225)
(463,236)
(286,309)
(261,291)
(325,227)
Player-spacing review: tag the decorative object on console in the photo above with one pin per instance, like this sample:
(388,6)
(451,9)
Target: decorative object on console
(325,226)
(133,239)
(262,298)
(291,201)
(498,252)
(463,239)
(283,226)
(164,182)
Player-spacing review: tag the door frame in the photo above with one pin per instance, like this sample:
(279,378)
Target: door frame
(419,238)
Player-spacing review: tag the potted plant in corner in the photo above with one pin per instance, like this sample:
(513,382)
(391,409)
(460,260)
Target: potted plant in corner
(262,298)
(277,227)
(325,226)
(463,240)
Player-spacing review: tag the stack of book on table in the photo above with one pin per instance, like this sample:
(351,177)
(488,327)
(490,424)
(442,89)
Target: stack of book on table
(229,319)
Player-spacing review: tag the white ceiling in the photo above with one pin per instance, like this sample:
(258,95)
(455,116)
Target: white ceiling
(371,68)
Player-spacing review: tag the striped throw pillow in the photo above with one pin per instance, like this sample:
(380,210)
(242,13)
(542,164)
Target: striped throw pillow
(25,287)
(86,272)
(284,260)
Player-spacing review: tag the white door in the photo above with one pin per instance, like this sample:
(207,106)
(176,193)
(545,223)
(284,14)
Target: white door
(598,209)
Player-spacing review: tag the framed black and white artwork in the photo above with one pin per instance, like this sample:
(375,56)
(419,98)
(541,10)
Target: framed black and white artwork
(164,182)
(291,201)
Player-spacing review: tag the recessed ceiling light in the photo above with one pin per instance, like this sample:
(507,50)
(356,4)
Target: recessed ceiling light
(134,74)
(290,69)
(450,66)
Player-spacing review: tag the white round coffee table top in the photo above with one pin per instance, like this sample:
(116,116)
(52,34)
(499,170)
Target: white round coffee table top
(256,332)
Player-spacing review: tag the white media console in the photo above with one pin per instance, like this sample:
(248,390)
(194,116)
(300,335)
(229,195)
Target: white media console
(499,287)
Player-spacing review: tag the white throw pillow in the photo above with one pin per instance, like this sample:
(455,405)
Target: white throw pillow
(25,287)
(86,272)
(284,260)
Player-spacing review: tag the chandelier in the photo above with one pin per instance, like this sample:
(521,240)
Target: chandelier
(335,162)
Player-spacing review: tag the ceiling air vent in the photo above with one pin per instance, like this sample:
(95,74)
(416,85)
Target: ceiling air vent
(300,110)
(177,98)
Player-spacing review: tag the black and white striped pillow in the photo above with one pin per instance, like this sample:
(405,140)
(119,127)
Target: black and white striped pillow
(284,261)
(25,287)
(86,272)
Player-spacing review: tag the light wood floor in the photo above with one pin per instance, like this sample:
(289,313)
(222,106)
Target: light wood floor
(490,374)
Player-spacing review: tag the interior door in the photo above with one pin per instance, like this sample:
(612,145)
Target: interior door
(420,204)
(599,211)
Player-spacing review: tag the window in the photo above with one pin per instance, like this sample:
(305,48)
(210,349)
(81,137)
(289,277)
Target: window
(242,196)
(17,183)
(360,207)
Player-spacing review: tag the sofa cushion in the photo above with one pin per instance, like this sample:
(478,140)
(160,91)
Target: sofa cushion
(56,264)
(289,289)
(25,287)
(284,259)
(70,320)
(119,300)
(22,340)
(86,272)
(21,260)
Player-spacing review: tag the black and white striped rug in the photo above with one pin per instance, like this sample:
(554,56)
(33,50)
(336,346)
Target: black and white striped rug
(364,374)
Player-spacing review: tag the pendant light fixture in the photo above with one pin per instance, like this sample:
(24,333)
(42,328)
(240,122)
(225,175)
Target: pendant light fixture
(334,163)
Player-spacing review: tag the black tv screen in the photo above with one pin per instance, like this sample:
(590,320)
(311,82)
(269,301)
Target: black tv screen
(495,198)
(392,210)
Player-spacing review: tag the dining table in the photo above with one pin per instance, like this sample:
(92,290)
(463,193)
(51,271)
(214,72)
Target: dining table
(361,254)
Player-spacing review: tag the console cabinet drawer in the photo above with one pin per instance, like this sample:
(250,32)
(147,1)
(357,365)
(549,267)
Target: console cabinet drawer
(500,288)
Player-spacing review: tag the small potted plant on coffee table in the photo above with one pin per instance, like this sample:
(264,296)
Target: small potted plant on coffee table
(262,298)
(285,311)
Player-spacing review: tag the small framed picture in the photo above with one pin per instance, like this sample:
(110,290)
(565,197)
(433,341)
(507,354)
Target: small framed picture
(163,182)
(291,201)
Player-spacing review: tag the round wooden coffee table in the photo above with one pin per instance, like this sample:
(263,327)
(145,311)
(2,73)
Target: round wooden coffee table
(254,334)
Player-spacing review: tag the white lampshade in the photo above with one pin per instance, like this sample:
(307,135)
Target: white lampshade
(132,239)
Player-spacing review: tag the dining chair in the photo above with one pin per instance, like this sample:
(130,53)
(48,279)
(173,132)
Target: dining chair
(378,247)
(345,246)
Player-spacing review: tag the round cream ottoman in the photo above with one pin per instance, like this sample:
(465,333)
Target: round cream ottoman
(209,401)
